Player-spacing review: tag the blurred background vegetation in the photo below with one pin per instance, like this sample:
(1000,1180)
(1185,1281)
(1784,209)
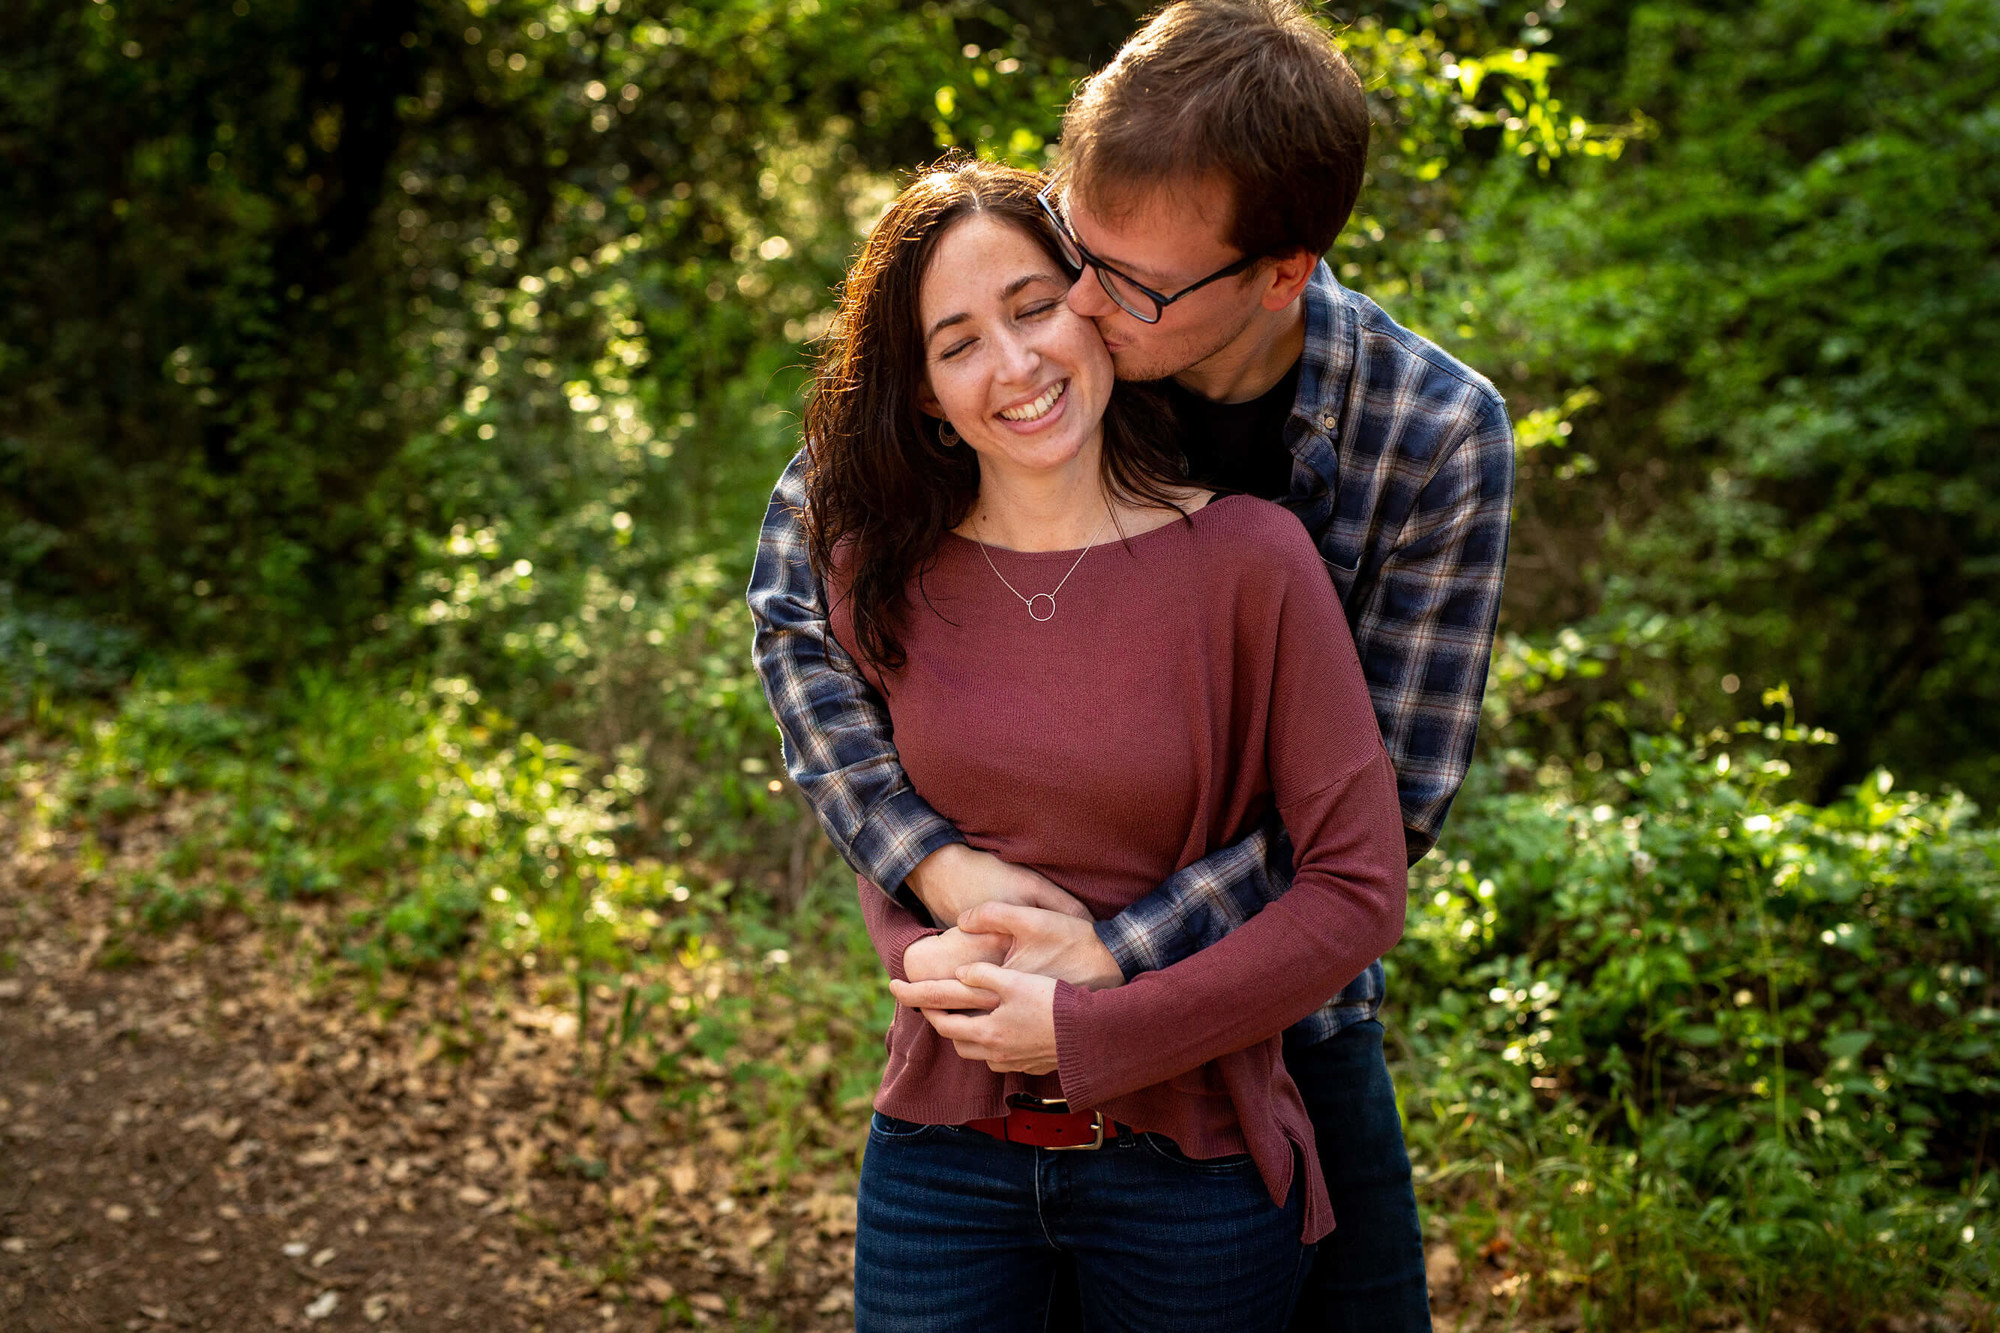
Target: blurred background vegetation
(389,393)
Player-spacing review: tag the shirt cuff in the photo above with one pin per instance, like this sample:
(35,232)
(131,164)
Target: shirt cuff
(1128,944)
(920,831)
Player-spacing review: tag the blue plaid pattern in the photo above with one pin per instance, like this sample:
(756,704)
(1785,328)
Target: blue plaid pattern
(1403,472)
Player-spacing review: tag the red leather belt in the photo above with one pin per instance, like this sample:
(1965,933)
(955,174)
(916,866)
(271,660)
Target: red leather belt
(1034,1121)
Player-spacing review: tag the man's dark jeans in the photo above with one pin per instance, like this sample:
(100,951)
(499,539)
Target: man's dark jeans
(1368,1276)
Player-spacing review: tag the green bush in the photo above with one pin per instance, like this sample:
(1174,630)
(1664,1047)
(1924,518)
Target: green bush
(1741,1045)
(1782,314)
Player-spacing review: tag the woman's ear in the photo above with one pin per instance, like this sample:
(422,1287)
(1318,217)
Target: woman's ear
(928,401)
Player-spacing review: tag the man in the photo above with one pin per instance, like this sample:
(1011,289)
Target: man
(1201,176)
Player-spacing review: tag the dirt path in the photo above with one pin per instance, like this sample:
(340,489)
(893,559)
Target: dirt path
(207,1131)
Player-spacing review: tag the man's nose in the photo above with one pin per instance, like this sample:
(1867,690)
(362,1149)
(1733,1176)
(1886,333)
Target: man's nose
(1087,296)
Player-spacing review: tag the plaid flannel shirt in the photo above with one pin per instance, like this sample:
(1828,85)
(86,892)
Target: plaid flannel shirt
(1402,471)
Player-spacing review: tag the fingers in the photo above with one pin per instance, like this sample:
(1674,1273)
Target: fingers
(998,918)
(990,977)
(942,994)
(973,1034)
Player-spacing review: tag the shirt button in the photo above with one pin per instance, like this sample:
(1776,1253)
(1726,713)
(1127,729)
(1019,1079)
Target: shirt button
(1329,419)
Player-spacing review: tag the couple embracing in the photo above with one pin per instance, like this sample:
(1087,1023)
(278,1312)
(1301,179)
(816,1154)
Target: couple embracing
(1126,617)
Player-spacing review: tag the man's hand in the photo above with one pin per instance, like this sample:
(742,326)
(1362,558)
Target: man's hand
(938,957)
(1013,1026)
(1050,944)
(954,879)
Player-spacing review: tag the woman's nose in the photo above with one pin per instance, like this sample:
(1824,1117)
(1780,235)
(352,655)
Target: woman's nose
(1019,360)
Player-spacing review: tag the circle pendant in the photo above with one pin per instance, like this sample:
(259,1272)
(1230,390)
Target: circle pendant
(1042,597)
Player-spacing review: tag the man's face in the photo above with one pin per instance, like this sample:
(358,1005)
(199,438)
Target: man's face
(1168,239)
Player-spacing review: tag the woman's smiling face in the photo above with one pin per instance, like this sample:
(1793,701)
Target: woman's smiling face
(1021,377)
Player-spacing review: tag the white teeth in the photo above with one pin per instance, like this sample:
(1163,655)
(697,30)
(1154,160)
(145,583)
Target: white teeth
(1030,411)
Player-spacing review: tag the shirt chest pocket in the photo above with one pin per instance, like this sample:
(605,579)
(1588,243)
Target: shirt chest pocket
(1343,560)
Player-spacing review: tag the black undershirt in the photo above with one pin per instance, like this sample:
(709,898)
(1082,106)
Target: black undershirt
(1238,447)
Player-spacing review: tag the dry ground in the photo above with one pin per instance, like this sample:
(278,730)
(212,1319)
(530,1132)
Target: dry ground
(207,1130)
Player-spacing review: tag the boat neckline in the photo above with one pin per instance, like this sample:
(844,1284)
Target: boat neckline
(1170,524)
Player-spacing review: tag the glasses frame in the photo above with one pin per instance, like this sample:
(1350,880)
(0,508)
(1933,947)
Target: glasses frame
(1082,258)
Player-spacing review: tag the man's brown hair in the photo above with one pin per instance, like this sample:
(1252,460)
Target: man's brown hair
(1253,91)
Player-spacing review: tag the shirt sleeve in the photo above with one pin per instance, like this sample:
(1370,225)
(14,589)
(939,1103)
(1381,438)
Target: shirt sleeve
(835,728)
(1202,903)
(1335,792)
(1425,636)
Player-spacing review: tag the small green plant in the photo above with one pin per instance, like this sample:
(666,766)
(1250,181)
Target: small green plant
(1731,1049)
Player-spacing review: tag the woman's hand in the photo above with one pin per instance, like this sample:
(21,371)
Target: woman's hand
(938,957)
(1012,1026)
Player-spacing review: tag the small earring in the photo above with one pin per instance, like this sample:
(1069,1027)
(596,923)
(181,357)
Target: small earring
(947,436)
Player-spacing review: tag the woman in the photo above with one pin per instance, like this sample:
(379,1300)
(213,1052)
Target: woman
(1102,673)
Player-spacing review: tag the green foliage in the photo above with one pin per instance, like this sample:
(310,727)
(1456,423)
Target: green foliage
(45,652)
(305,291)
(1743,1046)
(1787,303)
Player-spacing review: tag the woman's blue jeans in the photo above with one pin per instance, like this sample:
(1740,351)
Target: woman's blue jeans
(961,1232)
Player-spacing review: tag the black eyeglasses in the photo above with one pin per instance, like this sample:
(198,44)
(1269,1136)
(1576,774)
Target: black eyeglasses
(1135,298)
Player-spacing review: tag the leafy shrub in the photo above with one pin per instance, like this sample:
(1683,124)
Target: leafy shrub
(1744,1044)
(50,653)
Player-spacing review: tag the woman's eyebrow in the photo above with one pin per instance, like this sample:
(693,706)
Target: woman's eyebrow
(1008,293)
(1014,287)
(946,323)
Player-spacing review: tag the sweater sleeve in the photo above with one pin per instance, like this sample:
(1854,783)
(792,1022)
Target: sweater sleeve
(1335,791)
(892,927)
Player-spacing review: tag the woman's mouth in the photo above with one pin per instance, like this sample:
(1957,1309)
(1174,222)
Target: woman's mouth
(1039,407)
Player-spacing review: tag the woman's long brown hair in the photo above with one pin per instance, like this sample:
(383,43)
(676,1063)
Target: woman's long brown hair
(881,489)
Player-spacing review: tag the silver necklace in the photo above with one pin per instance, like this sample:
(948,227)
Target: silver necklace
(1050,595)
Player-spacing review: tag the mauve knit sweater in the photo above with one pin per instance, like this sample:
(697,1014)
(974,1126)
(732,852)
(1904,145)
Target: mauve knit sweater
(1193,677)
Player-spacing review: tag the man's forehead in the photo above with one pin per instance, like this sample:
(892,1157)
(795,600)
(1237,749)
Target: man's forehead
(1152,222)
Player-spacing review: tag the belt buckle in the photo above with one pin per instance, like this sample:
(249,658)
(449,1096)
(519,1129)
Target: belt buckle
(1096,1123)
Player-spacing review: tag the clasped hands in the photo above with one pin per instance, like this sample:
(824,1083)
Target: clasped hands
(988,984)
